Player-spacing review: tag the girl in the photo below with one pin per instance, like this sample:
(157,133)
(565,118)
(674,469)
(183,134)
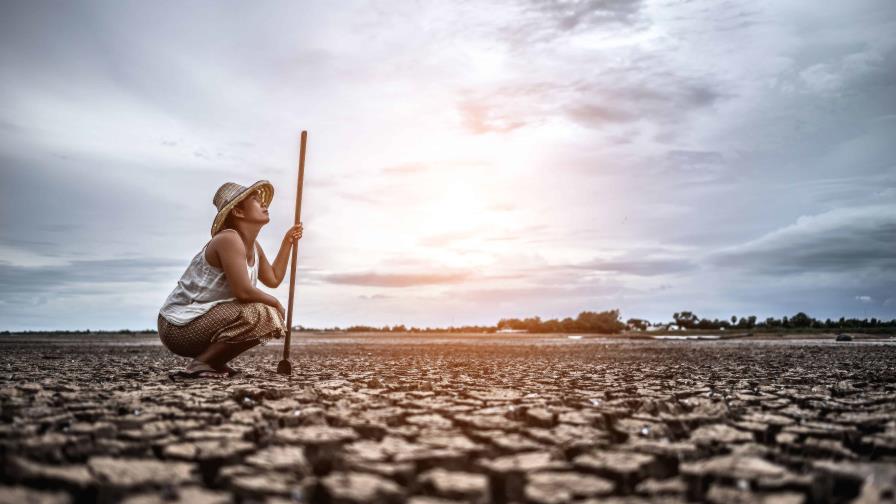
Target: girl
(215,312)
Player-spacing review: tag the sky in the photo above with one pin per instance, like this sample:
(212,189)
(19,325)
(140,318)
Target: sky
(467,161)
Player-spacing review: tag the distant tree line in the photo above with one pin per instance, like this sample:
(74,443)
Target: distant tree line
(414,329)
(605,322)
(689,320)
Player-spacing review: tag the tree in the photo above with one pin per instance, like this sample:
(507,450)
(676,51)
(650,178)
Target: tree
(800,320)
(639,324)
(685,319)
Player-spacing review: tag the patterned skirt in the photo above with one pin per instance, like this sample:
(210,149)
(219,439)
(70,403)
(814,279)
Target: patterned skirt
(231,322)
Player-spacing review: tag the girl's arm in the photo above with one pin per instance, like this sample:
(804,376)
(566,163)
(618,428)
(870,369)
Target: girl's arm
(232,254)
(272,275)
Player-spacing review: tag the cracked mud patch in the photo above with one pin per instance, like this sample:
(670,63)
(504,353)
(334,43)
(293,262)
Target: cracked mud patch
(452,418)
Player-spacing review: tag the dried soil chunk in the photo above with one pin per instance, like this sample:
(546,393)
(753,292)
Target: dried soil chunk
(507,474)
(496,394)
(359,488)
(280,458)
(457,442)
(638,428)
(768,419)
(655,487)
(514,443)
(735,467)
(559,487)
(520,463)
(426,499)
(727,495)
(70,477)
(539,417)
(744,469)
(431,421)
(879,486)
(428,458)
(316,435)
(212,449)
(486,422)
(22,495)
(625,468)
(719,434)
(255,486)
(678,450)
(127,473)
(185,495)
(469,487)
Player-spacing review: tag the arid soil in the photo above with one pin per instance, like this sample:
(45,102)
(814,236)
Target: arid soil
(430,419)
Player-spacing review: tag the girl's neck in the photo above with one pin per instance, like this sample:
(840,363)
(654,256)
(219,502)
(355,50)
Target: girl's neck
(248,234)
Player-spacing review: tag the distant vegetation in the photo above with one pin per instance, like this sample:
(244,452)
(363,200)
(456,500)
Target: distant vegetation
(800,321)
(605,322)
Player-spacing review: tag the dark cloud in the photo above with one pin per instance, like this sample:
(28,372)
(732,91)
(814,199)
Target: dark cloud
(845,241)
(371,279)
(664,101)
(540,21)
(641,266)
(83,275)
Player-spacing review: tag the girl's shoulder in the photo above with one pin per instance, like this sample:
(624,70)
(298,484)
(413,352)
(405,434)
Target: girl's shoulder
(226,238)
(222,237)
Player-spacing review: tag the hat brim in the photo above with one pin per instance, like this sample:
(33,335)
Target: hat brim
(265,188)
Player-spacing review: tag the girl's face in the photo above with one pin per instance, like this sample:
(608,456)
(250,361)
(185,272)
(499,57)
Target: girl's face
(253,210)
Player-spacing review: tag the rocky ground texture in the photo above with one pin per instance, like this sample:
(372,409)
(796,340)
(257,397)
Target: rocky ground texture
(445,419)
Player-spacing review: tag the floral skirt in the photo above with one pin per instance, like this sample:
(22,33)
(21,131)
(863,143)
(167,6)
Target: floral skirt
(231,322)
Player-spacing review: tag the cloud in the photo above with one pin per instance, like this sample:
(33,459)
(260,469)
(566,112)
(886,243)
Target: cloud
(18,281)
(404,169)
(641,91)
(444,239)
(371,279)
(838,241)
(641,266)
(864,299)
(545,20)
(374,297)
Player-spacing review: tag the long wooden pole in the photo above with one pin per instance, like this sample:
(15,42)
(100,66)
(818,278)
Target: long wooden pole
(285,367)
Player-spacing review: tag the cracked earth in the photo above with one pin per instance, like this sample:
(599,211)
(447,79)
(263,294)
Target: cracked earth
(438,419)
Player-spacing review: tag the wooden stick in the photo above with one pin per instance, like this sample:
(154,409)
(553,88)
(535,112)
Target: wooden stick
(285,367)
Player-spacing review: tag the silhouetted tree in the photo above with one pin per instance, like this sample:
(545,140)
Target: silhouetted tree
(685,319)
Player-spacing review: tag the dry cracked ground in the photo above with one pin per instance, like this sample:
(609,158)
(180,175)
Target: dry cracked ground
(452,418)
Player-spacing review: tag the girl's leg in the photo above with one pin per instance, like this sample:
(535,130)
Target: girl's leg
(217,355)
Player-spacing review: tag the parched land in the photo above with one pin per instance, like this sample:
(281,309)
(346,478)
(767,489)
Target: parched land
(430,419)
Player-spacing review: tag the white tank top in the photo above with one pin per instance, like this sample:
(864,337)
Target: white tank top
(201,287)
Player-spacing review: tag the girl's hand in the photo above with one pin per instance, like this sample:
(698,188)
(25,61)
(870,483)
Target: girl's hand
(293,234)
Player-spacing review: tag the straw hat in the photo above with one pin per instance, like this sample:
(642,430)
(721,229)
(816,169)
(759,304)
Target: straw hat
(230,194)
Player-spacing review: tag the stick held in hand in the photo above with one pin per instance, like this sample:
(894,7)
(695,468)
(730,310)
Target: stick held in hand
(285,367)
